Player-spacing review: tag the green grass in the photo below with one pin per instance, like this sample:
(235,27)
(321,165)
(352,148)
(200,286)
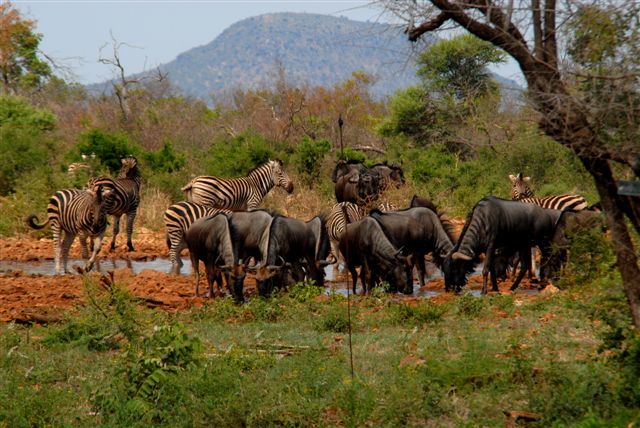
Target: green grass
(285,362)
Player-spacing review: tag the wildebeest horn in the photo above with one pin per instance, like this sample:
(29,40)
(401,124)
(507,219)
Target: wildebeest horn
(459,256)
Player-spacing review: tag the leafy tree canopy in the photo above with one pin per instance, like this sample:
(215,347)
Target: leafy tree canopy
(17,112)
(20,64)
(458,67)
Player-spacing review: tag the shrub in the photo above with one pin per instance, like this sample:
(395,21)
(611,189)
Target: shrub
(165,160)
(109,148)
(308,156)
(236,157)
(469,305)
(426,312)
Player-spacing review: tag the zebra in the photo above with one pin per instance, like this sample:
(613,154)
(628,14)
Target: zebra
(177,219)
(87,165)
(76,212)
(387,207)
(125,196)
(244,193)
(340,215)
(520,191)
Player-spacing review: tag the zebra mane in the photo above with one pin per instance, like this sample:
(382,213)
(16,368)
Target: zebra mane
(129,169)
(267,164)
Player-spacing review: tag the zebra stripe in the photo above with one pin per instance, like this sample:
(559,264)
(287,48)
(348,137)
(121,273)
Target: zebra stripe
(566,202)
(244,193)
(341,214)
(387,207)
(125,197)
(177,219)
(520,191)
(76,212)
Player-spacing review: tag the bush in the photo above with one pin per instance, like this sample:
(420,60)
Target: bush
(425,313)
(109,148)
(238,156)
(308,156)
(165,160)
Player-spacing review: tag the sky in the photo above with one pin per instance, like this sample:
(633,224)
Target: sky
(76,32)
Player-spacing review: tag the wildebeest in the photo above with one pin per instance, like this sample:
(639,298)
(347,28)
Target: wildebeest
(248,229)
(418,201)
(433,234)
(291,242)
(365,244)
(389,175)
(209,240)
(568,226)
(497,223)
(355,183)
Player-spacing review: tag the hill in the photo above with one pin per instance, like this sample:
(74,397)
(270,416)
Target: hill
(317,50)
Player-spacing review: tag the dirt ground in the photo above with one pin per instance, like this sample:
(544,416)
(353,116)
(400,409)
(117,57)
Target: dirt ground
(28,298)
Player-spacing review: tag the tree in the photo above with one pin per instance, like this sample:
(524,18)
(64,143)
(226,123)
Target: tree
(455,83)
(533,34)
(458,67)
(20,64)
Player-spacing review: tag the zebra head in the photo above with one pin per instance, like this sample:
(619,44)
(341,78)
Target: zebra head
(280,176)
(100,194)
(129,167)
(520,187)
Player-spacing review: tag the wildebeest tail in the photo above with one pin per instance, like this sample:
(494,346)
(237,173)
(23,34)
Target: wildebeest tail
(32,219)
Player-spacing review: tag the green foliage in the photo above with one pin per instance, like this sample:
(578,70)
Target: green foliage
(110,318)
(308,156)
(21,67)
(470,306)
(305,292)
(147,369)
(349,154)
(458,67)
(16,112)
(165,160)
(424,313)
(23,142)
(335,319)
(238,156)
(109,147)
(413,113)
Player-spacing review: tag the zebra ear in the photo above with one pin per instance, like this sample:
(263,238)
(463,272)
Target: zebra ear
(526,178)
(512,177)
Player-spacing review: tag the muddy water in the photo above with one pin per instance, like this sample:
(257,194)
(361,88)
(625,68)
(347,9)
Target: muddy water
(48,267)
(337,281)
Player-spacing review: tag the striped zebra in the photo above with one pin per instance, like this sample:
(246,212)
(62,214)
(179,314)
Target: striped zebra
(76,212)
(244,193)
(387,207)
(177,219)
(340,215)
(124,198)
(520,191)
(86,165)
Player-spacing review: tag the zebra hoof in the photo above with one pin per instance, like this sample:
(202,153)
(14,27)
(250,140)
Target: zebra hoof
(130,246)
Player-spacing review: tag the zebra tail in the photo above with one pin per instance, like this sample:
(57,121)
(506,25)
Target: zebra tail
(32,219)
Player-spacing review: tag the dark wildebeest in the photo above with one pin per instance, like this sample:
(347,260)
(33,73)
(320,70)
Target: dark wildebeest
(389,175)
(568,226)
(248,229)
(292,242)
(418,201)
(346,176)
(436,235)
(355,183)
(365,244)
(209,240)
(497,223)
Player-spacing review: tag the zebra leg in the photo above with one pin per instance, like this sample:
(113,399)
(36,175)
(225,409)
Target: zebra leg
(116,230)
(66,244)
(532,267)
(57,247)
(131,218)
(177,245)
(82,237)
(97,244)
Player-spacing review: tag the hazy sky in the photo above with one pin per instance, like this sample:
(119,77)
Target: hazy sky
(156,31)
